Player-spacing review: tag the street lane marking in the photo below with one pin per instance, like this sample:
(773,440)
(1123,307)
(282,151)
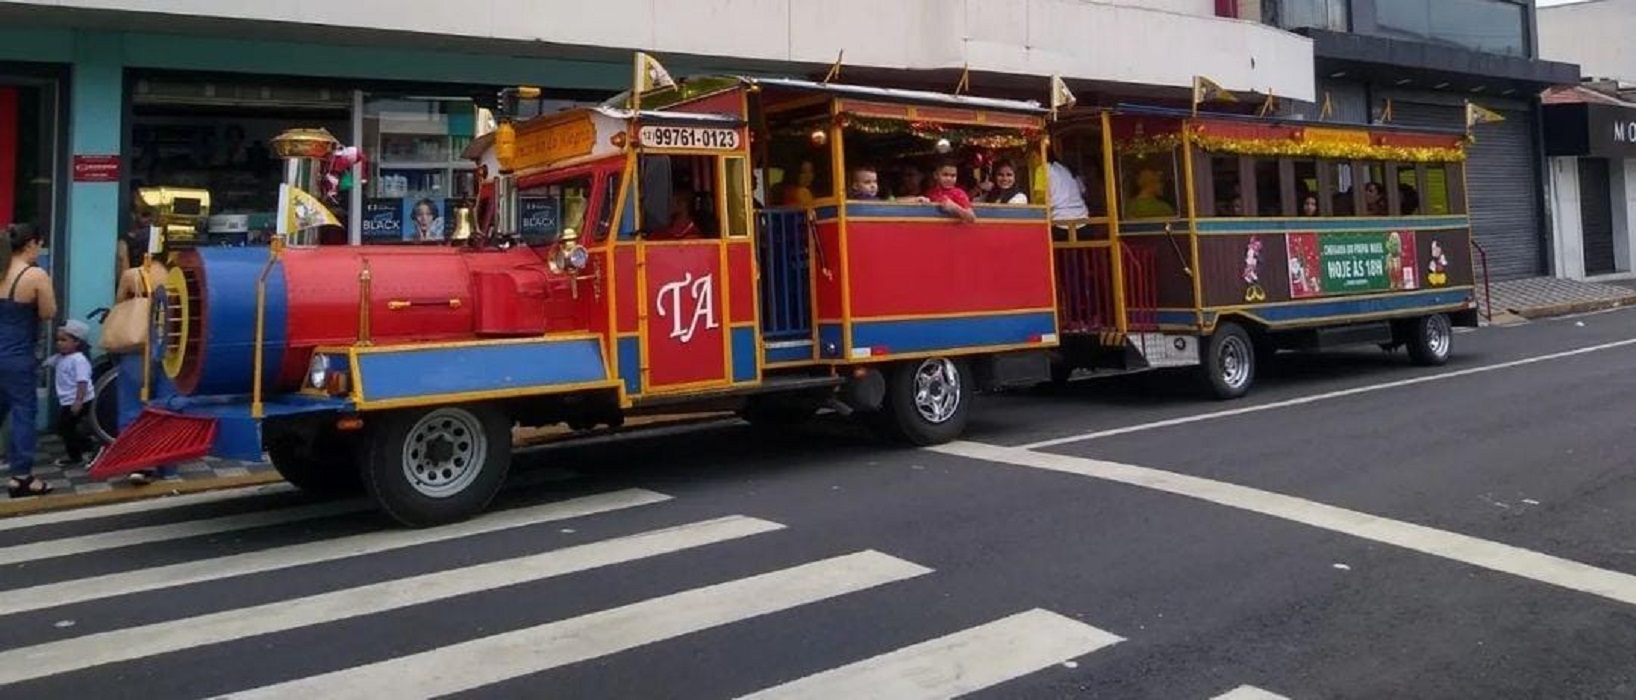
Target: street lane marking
(155,503)
(80,653)
(1249,692)
(956,664)
(1503,558)
(1184,420)
(67,546)
(502,657)
(52,595)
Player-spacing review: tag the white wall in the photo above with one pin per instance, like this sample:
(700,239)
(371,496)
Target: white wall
(1622,176)
(1147,42)
(1595,34)
(1567,230)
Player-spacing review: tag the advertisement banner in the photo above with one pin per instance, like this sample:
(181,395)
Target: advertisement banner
(423,219)
(1351,263)
(382,220)
(537,218)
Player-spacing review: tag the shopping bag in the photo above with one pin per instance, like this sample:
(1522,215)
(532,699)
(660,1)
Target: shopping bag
(126,328)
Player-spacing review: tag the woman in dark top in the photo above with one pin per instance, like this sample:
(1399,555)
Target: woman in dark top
(29,301)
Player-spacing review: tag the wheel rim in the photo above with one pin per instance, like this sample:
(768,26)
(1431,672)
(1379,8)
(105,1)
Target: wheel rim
(1437,336)
(937,390)
(444,452)
(1235,361)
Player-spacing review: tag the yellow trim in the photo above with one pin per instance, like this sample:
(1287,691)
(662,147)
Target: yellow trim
(944,220)
(643,361)
(837,166)
(627,335)
(683,243)
(1333,298)
(1322,320)
(463,397)
(726,270)
(1192,220)
(1116,245)
(960,314)
(742,324)
(454,344)
(671,389)
(1082,245)
(792,364)
(954,352)
(355,388)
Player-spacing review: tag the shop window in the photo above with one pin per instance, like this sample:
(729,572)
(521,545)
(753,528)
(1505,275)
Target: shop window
(416,165)
(545,211)
(1492,26)
(1148,186)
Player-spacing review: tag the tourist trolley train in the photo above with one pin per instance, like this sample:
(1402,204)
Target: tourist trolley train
(698,247)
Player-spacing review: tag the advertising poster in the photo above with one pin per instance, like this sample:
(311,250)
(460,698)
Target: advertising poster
(1351,263)
(538,217)
(422,219)
(383,220)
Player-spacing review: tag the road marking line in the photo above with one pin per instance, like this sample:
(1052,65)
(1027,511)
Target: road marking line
(52,595)
(1249,692)
(956,664)
(1503,558)
(80,653)
(67,546)
(502,657)
(1171,422)
(154,503)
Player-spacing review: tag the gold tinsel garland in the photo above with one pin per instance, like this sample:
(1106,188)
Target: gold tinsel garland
(1164,143)
(957,134)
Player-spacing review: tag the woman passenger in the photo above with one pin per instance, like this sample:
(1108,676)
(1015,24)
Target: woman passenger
(1005,189)
(28,303)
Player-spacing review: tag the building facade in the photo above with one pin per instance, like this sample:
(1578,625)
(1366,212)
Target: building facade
(98,98)
(1591,136)
(1427,58)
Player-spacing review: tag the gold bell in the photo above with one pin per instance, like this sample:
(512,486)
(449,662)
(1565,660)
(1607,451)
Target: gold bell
(465,222)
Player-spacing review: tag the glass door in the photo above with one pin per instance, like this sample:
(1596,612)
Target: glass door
(29,153)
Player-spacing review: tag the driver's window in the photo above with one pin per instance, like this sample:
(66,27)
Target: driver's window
(545,211)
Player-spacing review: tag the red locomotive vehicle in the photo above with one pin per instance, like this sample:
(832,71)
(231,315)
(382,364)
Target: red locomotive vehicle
(703,249)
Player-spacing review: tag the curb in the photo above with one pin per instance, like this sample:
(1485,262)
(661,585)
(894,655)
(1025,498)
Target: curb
(1573,307)
(159,489)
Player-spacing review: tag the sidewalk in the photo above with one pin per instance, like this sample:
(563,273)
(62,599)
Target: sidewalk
(74,489)
(1539,297)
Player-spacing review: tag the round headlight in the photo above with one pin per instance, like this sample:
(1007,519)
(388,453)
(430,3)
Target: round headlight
(578,257)
(317,369)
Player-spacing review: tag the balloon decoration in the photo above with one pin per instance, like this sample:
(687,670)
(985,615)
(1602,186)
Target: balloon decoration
(818,137)
(338,171)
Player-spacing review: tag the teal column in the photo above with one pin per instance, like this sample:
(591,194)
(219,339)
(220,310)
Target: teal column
(96,114)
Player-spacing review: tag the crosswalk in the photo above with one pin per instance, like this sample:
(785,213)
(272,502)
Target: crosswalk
(382,612)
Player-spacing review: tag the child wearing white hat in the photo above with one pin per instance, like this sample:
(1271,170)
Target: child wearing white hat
(74,390)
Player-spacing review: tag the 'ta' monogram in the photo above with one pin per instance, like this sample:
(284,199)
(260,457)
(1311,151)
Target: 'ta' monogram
(703,300)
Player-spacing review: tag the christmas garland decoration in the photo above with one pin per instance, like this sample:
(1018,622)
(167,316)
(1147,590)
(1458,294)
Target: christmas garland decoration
(1164,143)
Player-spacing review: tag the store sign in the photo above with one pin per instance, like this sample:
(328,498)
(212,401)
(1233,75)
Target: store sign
(88,168)
(1608,131)
(556,143)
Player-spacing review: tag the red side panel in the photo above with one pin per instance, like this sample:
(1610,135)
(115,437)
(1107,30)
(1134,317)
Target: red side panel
(933,267)
(826,270)
(625,286)
(8,154)
(741,271)
(686,340)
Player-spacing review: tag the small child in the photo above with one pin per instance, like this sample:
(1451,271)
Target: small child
(74,391)
(865,184)
(948,196)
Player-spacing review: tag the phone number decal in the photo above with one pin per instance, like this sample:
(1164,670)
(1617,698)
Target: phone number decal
(689,137)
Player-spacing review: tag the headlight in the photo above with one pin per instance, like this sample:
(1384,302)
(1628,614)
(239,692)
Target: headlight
(578,257)
(317,370)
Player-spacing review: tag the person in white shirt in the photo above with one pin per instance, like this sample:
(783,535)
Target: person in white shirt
(74,390)
(1067,200)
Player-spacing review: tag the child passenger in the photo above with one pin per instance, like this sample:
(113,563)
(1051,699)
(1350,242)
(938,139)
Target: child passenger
(948,196)
(865,184)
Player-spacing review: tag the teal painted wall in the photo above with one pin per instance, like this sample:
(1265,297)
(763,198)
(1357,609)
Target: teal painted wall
(96,107)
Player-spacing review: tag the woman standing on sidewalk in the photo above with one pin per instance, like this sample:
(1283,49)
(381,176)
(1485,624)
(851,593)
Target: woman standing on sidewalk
(29,301)
(131,285)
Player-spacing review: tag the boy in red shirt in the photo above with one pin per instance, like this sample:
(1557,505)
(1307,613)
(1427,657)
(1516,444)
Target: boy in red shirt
(948,196)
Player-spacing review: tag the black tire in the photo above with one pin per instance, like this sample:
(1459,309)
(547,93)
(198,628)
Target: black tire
(326,464)
(780,410)
(103,419)
(1228,361)
(1430,340)
(938,417)
(458,455)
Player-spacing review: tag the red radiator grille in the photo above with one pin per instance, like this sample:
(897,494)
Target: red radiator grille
(154,439)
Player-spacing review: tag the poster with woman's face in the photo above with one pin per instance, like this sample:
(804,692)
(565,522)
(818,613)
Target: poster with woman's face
(422,219)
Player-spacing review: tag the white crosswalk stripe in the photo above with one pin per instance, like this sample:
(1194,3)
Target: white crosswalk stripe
(142,506)
(158,533)
(960,663)
(149,640)
(501,657)
(155,578)
(1249,692)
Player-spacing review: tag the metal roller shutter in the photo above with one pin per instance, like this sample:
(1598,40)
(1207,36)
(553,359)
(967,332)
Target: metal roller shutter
(1502,177)
(1596,215)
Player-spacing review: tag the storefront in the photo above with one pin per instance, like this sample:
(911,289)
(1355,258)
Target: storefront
(31,148)
(1592,150)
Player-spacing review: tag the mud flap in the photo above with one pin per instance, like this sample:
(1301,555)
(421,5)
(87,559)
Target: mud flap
(156,438)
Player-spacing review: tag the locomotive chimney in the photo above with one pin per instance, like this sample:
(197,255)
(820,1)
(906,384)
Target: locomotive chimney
(304,152)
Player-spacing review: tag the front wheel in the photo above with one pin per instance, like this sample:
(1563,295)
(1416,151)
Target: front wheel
(427,467)
(1229,361)
(928,402)
(1430,339)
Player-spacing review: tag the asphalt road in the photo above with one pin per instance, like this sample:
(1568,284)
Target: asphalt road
(1357,528)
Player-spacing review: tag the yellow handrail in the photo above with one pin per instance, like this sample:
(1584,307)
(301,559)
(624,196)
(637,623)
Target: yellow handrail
(274,251)
(147,338)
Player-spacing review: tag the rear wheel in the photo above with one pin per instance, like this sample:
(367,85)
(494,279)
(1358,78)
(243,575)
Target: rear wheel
(1430,339)
(928,402)
(440,465)
(1229,361)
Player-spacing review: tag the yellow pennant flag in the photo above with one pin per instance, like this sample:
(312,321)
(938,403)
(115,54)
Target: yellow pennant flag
(1476,114)
(1205,89)
(302,212)
(1061,96)
(650,74)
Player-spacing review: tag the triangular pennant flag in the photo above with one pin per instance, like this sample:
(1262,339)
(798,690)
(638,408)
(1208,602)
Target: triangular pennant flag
(1061,96)
(1205,89)
(965,80)
(651,74)
(1481,115)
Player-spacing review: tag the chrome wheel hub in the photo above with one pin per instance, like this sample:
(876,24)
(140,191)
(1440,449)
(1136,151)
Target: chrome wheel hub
(937,390)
